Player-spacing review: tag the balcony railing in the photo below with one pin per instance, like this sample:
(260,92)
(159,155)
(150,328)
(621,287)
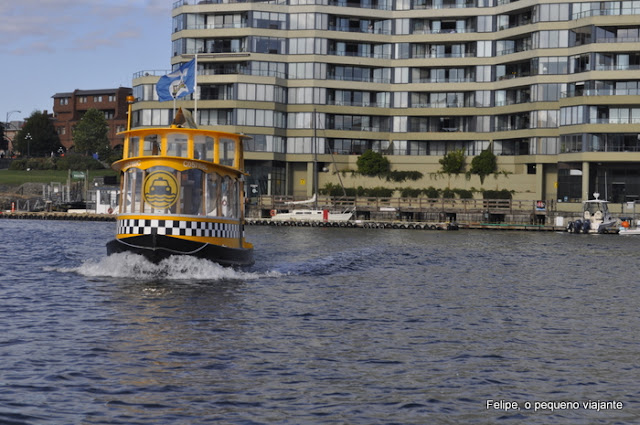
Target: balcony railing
(180,3)
(362,103)
(445,80)
(429,55)
(360,55)
(602,92)
(151,73)
(438,105)
(360,79)
(359,30)
(607,12)
(444,31)
(613,121)
(212,26)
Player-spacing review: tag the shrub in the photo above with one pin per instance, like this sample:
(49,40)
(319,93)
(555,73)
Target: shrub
(448,194)
(407,192)
(33,164)
(18,164)
(400,176)
(431,192)
(73,161)
(464,193)
(496,194)
(380,192)
(349,191)
(331,190)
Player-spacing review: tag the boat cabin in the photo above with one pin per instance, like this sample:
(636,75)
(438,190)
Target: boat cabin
(182,171)
(595,209)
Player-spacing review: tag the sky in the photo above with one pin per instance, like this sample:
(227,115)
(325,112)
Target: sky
(57,46)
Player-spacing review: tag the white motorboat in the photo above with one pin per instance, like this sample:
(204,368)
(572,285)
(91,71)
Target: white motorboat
(596,218)
(311,215)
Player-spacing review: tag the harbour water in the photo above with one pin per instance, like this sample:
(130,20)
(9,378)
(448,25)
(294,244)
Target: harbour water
(331,326)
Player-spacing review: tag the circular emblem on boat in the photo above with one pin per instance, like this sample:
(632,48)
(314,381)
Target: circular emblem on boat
(160,189)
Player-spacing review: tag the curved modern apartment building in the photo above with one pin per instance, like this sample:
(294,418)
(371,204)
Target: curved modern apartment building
(551,87)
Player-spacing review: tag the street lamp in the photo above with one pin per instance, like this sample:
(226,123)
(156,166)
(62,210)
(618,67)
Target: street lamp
(6,128)
(28,138)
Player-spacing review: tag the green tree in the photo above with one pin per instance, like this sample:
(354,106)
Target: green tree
(373,164)
(38,136)
(90,135)
(4,143)
(453,162)
(484,164)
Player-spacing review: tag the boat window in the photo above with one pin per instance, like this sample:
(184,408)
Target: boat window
(104,197)
(151,145)
(227,151)
(132,189)
(210,148)
(233,202)
(134,147)
(177,145)
(229,197)
(191,192)
(203,148)
(213,194)
(594,207)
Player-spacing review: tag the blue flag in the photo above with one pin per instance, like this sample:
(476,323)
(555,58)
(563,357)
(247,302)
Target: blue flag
(177,84)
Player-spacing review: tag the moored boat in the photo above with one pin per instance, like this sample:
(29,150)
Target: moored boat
(629,226)
(182,193)
(596,218)
(311,215)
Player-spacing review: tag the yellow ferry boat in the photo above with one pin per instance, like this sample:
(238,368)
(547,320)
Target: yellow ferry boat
(182,193)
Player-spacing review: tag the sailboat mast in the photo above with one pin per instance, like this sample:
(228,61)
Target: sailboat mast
(315,161)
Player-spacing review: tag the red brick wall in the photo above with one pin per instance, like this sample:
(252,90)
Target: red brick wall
(80,101)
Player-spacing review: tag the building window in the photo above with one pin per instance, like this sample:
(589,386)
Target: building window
(269,45)
(270,20)
(97,99)
(82,99)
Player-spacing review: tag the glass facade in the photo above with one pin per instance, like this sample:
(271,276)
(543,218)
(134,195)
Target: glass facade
(423,77)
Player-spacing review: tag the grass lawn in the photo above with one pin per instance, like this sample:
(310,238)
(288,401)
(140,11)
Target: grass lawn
(15,177)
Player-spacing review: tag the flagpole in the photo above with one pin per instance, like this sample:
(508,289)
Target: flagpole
(195,91)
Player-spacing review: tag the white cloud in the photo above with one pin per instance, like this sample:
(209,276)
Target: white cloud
(75,24)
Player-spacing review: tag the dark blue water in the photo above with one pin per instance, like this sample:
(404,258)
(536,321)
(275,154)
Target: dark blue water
(331,326)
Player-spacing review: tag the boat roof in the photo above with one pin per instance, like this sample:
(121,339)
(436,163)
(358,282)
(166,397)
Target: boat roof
(174,129)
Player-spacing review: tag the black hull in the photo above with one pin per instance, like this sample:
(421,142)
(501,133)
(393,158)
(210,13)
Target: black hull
(156,248)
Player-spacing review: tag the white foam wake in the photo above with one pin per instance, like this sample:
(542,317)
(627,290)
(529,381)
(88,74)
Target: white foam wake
(134,266)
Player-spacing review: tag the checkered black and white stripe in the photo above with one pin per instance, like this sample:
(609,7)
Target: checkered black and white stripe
(203,229)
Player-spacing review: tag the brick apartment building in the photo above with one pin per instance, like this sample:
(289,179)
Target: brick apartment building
(68,109)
